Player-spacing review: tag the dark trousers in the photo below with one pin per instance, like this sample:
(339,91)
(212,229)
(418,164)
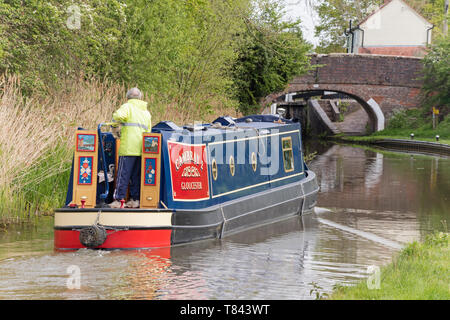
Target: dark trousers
(128,173)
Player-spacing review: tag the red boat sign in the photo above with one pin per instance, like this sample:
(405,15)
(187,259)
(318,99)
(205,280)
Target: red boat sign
(189,171)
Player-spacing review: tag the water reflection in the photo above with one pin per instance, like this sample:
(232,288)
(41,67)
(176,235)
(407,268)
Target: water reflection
(375,199)
(409,189)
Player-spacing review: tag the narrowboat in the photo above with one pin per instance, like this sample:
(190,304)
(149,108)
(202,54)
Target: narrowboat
(198,182)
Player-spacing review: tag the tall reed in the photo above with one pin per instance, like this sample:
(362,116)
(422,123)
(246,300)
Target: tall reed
(37,133)
(24,138)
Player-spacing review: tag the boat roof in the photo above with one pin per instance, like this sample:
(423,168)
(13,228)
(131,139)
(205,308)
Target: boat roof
(227,124)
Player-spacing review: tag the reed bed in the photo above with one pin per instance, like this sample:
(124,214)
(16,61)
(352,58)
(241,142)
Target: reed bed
(36,137)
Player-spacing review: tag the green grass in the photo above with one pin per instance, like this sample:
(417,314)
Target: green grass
(43,187)
(405,122)
(421,271)
(377,137)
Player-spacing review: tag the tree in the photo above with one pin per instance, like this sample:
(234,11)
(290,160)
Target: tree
(272,51)
(182,50)
(334,18)
(436,88)
(191,53)
(37,43)
(433,11)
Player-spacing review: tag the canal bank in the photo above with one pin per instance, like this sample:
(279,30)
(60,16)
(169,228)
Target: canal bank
(421,271)
(403,145)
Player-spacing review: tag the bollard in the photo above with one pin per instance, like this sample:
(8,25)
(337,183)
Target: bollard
(83,201)
(412,136)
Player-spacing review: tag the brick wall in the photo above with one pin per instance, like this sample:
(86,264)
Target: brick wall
(392,81)
(364,69)
(418,51)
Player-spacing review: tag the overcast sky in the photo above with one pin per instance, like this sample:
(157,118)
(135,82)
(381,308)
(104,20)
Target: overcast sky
(300,9)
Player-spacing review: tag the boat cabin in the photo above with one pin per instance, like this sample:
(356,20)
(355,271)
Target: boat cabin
(195,166)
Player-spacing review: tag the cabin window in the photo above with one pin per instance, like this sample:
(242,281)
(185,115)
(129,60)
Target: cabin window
(232,167)
(214,169)
(254,162)
(288,155)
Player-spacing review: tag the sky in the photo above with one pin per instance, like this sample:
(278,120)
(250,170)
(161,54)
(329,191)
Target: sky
(300,9)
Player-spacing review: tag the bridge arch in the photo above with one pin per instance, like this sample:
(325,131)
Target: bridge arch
(370,106)
(381,84)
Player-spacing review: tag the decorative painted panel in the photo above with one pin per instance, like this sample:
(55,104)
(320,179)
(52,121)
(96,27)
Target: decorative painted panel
(85,170)
(151,144)
(86,142)
(150,172)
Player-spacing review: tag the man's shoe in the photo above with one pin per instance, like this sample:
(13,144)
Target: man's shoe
(116,204)
(132,204)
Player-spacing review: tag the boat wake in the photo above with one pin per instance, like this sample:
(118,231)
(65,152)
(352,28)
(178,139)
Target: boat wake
(363,234)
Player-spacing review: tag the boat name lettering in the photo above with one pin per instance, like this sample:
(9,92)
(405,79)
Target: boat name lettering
(188,157)
(191,185)
(190,172)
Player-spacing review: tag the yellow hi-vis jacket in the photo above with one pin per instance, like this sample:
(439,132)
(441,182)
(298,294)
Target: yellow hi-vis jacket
(135,120)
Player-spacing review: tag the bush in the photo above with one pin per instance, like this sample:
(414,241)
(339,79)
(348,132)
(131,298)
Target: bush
(436,88)
(38,43)
(406,119)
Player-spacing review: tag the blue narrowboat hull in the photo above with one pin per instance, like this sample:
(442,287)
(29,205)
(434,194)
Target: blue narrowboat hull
(215,180)
(246,212)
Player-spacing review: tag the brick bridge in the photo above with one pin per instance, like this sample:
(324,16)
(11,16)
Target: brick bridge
(379,83)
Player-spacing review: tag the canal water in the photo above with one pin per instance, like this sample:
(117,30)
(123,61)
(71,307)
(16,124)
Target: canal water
(371,203)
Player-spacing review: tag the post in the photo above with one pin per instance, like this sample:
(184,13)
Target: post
(446,17)
(350,32)
(150,170)
(85,169)
(434,121)
(435,112)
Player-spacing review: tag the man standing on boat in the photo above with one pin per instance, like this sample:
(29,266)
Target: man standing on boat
(135,120)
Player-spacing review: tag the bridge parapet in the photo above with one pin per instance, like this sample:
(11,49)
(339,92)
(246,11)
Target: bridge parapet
(364,69)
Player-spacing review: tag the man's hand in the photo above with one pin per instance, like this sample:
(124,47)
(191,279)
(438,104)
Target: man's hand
(116,131)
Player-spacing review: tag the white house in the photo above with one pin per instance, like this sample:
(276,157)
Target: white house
(393,29)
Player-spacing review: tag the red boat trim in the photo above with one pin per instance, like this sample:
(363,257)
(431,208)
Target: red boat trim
(68,209)
(78,228)
(65,239)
